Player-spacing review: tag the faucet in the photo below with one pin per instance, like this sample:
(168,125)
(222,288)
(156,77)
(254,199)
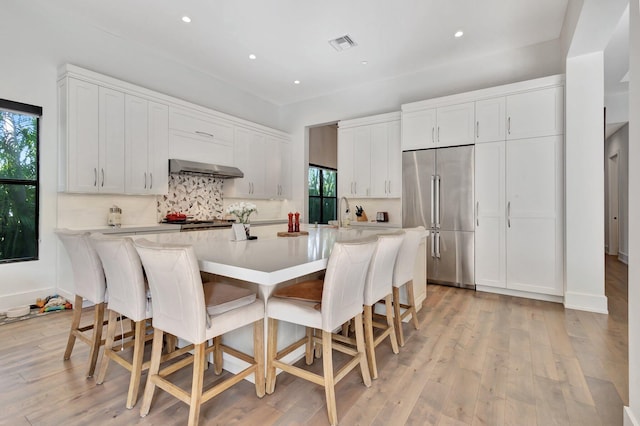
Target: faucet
(340,221)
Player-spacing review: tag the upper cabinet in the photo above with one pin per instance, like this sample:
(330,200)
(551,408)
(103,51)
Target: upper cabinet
(369,157)
(147,146)
(490,120)
(438,127)
(535,113)
(91,126)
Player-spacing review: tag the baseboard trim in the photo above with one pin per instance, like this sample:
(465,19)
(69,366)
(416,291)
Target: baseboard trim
(629,418)
(623,257)
(586,302)
(27,298)
(518,293)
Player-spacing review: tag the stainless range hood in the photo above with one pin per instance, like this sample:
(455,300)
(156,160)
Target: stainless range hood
(215,170)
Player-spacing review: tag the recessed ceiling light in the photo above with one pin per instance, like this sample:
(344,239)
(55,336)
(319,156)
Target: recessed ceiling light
(186,19)
(252,56)
(296,82)
(459,34)
(364,62)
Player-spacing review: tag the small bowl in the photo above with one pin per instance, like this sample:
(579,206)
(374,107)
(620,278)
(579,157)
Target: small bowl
(19,311)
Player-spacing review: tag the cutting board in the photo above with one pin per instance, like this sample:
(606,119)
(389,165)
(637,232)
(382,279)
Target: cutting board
(292,234)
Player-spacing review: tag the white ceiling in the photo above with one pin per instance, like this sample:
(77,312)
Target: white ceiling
(290,37)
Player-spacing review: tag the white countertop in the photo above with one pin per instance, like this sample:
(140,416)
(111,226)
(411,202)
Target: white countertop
(270,259)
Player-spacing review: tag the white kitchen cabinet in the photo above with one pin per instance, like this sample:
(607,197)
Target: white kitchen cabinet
(147,146)
(490,120)
(438,127)
(195,136)
(490,227)
(278,168)
(346,143)
(91,120)
(535,113)
(518,234)
(386,160)
(354,162)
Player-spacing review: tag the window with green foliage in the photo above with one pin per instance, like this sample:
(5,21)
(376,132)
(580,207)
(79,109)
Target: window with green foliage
(323,194)
(18,181)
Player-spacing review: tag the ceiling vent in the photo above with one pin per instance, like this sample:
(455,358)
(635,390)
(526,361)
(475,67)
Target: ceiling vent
(342,43)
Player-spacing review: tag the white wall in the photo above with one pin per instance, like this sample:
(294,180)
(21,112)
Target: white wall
(632,413)
(617,107)
(41,41)
(618,143)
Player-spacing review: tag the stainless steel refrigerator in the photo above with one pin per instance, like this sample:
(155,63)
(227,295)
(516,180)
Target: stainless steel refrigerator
(438,193)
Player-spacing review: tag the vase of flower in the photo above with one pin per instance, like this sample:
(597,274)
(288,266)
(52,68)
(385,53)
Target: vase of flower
(242,211)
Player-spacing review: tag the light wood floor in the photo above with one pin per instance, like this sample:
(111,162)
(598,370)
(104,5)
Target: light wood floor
(477,359)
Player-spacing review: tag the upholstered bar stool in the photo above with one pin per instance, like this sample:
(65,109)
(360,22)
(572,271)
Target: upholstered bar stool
(403,275)
(128,298)
(197,313)
(341,300)
(89,283)
(378,287)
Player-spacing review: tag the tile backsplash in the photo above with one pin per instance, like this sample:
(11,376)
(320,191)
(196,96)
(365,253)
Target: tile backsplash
(194,195)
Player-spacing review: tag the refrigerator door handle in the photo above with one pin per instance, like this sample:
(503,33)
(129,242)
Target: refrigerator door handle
(437,201)
(509,214)
(433,200)
(433,244)
(437,245)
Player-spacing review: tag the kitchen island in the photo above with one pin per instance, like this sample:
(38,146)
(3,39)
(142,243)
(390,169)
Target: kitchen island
(272,261)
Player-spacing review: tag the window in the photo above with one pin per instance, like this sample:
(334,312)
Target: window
(18,181)
(322,194)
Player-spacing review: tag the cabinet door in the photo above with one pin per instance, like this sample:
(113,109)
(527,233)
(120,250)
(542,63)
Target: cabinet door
(418,129)
(456,125)
(346,143)
(158,148)
(379,160)
(490,260)
(82,137)
(242,187)
(534,215)
(394,152)
(490,120)
(136,142)
(111,137)
(535,113)
(362,161)
(274,167)
(285,170)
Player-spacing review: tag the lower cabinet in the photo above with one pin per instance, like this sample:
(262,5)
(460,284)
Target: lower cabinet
(519,215)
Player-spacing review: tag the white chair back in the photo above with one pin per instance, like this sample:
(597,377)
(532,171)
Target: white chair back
(89,280)
(378,282)
(343,291)
(403,270)
(123,270)
(176,289)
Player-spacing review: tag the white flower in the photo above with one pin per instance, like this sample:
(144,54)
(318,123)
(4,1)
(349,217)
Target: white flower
(242,210)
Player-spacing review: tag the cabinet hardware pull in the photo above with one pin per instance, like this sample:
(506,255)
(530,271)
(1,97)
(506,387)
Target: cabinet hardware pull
(509,214)
(95,177)
(433,138)
(477,213)
(102,171)
(477,129)
(145,180)
(151,179)
(509,125)
(438,134)
(204,133)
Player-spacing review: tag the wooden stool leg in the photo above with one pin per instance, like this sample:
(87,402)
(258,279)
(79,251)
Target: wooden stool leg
(197,383)
(258,354)
(396,315)
(217,355)
(318,346)
(345,329)
(412,305)
(108,346)
(96,340)
(309,347)
(136,362)
(369,344)
(390,324)
(364,366)
(272,352)
(154,367)
(329,381)
(75,324)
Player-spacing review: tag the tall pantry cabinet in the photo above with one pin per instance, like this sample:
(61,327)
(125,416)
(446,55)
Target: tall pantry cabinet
(519,191)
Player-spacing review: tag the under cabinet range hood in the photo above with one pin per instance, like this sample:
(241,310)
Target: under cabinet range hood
(215,170)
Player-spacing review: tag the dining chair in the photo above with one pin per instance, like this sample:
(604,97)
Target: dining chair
(341,299)
(128,298)
(89,283)
(403,277)
(378,287)
(197,313)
